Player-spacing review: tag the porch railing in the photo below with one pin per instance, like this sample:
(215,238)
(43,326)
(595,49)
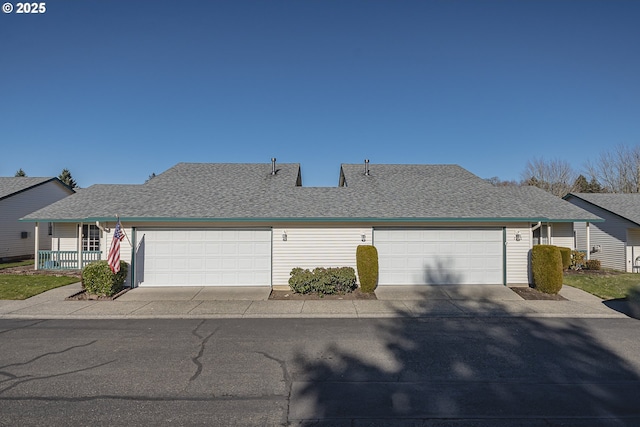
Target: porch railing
(65,260)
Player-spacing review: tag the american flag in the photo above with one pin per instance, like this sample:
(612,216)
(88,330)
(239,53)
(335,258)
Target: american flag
(114,252)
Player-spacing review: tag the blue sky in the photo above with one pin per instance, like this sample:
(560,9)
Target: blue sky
(116,90)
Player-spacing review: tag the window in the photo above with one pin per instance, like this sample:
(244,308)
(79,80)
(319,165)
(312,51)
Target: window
(90,237)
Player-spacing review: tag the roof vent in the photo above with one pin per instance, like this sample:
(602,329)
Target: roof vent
(366,167)
(273,166)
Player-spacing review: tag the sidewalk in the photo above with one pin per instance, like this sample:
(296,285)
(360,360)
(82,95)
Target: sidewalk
(253,302)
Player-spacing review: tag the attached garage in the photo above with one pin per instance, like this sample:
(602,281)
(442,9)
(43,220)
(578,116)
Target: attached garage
(440,256)
(203,257)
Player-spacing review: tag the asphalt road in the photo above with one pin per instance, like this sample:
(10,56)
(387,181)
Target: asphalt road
(324,372)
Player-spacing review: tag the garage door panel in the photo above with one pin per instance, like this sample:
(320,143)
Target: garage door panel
(206,257)
(436,256)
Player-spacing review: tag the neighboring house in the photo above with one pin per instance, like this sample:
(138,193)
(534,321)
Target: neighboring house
(251,224)
(616,241)
(20,196)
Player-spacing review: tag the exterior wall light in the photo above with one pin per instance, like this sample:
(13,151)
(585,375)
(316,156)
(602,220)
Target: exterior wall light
(363,237)
(284,236)
(518,236)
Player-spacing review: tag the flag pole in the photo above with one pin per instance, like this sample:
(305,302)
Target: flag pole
(122,230)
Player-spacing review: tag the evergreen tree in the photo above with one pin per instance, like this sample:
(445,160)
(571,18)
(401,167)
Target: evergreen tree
(65,177)
(20,172)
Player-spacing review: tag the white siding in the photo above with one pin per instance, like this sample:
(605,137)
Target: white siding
(562,234)
(518,252)
(65,237)
(315,247)
(611,235)
(19,205)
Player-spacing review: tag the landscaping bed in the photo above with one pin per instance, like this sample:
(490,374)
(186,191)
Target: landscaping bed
(533,294)
(85,296)
(289,295)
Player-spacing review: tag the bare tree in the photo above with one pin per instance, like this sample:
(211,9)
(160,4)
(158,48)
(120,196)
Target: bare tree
(618,170)
(555,176)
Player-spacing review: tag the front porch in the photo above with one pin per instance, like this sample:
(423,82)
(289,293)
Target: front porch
(65,260)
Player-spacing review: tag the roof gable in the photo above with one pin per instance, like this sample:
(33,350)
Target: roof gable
(10,186)
(626,206)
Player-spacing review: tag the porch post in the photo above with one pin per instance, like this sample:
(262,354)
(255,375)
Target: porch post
(36,245)
(79,246)
(588,242)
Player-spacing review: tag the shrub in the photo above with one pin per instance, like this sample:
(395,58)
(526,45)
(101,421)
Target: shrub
(565,253)
(326,281)
(593,264)
(367,262)
(577,259)
(98,279)
(546,268)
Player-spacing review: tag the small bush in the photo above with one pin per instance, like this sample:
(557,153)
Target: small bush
(326,281)
(593,264)
(565,253)
(546,268)
(577,259)
(98,279)
(367,262)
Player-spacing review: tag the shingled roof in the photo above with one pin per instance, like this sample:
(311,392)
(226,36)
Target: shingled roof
(624,205)
(249,192)
(10,186)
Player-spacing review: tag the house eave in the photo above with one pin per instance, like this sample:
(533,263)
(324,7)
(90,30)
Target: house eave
(316,219)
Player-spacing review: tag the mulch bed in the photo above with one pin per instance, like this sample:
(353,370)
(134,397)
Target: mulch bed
(84,296)
(28,270)
(292,296)
(533,294)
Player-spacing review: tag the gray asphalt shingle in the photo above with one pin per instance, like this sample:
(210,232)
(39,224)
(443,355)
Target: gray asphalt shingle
(13,185)
(624,205)
(201,191)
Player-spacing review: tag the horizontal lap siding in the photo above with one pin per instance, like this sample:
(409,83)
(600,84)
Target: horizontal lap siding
(611,235)
(562,234)
(19,205)
(315,247)
(518,254)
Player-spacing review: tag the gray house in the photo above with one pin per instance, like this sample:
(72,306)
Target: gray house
(227,224)
(616,241)
(20,196)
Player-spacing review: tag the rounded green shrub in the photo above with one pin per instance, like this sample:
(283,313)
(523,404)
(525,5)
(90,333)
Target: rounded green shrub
(321,280)
(566,258)
(546,268)
(367,263)
(98,279)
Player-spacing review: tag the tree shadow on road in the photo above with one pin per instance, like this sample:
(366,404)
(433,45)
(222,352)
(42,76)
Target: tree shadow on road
(494,371)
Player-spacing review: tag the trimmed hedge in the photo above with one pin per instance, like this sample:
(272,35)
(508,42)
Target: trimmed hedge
(98,279)
(326,281)
(593,264)
(546,268)
(367,263)
(566,258)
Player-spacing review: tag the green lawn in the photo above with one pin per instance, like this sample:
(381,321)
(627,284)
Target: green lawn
(16,264)
(606,285)
(15,286)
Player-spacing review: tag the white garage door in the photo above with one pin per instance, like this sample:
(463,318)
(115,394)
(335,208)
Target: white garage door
(439,257)
(203,257)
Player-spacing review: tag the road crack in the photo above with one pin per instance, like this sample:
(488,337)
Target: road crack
(203,343)
(288,382)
